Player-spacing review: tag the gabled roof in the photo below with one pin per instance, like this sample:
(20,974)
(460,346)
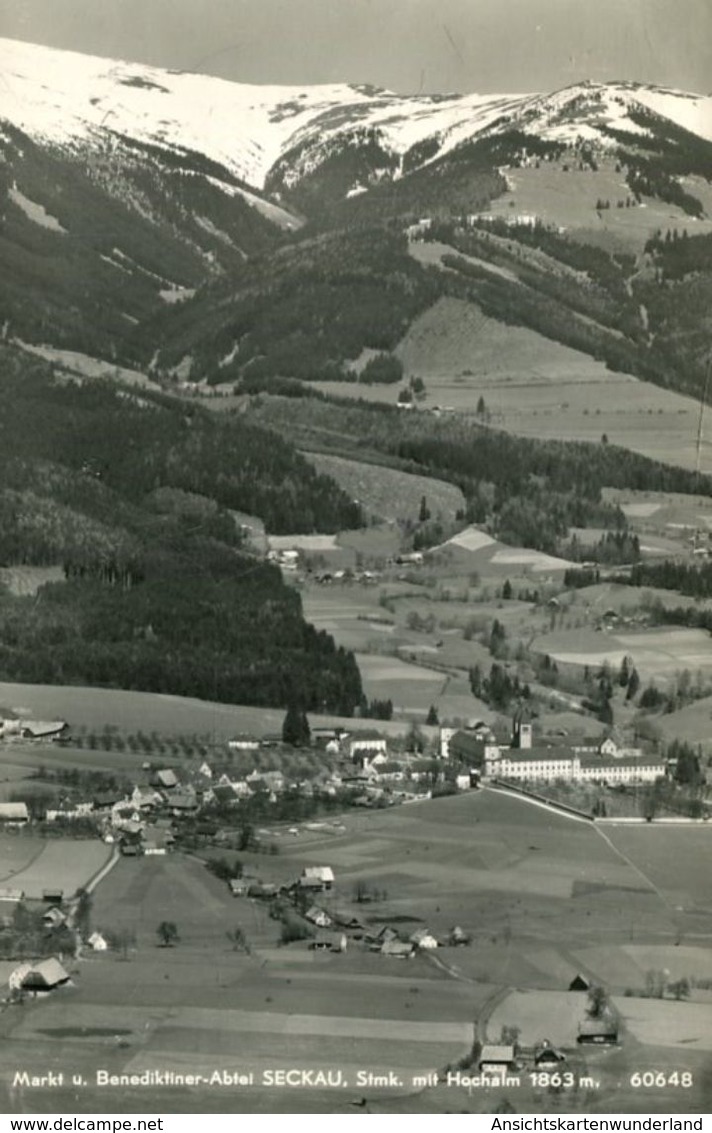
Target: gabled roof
(318,873)
(166,776)
(497,1052)
(54,916)
(8,893)
(604,1026)
(45,973)
(37,728)
(579,983)
(14,812)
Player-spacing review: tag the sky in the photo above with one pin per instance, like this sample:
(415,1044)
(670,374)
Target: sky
(404,45)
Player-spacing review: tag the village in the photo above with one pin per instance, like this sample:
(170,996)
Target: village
(288,871)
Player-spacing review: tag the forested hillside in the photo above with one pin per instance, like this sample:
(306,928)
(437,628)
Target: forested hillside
(133,497)
(524,491)
(303,311)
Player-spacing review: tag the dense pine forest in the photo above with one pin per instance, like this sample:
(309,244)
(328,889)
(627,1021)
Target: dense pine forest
(132,495)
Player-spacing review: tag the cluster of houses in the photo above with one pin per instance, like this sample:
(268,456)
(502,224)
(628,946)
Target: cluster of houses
(608,761)
(598,1029)
(333,928)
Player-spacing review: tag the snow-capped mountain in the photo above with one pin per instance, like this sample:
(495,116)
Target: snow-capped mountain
(83,102)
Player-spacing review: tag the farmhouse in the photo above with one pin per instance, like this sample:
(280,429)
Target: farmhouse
(318,916)
(423,938)
(97,942)
(239,887)
(14,814)
(496,1058)
(43,975)
(105,800)
(165,779)
(8,893)
(54,917)
(599,1031)
(42,729)
(329,942)
(156,841)
(367,747)
(183,800)
(53,896)
(317,877)
(547,1055)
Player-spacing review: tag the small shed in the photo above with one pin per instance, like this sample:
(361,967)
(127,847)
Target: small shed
(580,983)
(97,942)
(54,917)
(458,936)
(53,896)
(238,886)
(318,916)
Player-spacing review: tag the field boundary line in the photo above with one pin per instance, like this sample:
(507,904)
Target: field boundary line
(102,872)
(624,857)
(552,807)
(10,876)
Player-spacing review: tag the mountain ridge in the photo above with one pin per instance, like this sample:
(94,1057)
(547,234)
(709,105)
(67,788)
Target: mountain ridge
(80,100)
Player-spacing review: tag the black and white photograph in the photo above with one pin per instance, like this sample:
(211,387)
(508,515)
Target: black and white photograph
(356,558)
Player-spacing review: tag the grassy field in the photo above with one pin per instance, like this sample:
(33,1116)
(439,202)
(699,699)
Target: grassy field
(693,723)
(674,859)
(26,580)
(408,685)
(387,493)
(535,387)
(96,708)
(59,863)
(17,851)
(657,653)
(569,199)
(544,896)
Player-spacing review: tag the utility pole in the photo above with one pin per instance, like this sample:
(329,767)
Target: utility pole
(700,423)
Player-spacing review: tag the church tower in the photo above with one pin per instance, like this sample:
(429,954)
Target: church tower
(522,728)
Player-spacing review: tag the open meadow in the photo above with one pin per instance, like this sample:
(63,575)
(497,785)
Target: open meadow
(63,864)
(98,708)
(387,493)
(535,387)
(657,653)
(539,892)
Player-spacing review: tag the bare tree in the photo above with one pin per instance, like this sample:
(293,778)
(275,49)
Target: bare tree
(238,940)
